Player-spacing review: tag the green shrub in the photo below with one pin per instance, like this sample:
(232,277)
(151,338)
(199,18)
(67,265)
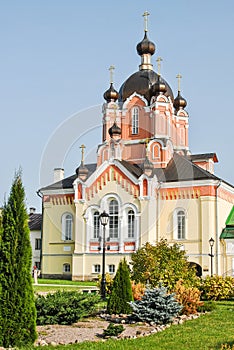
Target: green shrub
(64,307)
(209,305)
(156,306)
(162,263)
(188,297)
(217,287)
(113,330)
(121,293)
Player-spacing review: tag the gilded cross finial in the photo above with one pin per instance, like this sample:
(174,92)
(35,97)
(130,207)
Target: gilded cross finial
(159,60)
(147,140)
(145,15)
(111,69)
(179,76)
(82,153)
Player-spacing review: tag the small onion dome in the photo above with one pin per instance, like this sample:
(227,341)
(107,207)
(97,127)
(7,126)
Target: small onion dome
(114,130)
(145,46)
(111,94)
(179,102)
(82,171)
(147,166)
(158,87)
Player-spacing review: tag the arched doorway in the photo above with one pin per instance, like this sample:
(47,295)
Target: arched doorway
(197,268)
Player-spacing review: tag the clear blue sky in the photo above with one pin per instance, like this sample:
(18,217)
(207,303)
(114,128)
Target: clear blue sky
(54,59)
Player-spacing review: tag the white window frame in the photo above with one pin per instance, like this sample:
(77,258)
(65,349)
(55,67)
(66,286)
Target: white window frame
(113,219)
(180,214)
(111,268)
(96,268)
(135,120)
(96,225)
(66,268)
(37,243)
(67,227)
(131,223)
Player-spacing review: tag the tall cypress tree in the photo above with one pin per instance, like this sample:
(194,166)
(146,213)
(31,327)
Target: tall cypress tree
(121,293)
(17,306)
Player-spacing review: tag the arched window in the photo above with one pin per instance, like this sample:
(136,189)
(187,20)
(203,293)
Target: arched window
(114,219)
(96,225)
(180,224)
(131,223)
(66,268)
(135,120)
(67,223)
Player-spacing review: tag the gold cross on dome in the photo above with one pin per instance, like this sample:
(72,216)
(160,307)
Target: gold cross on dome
(179,76)
(82,153)
(111,69)
(145,15)
(159,60)
(147,140)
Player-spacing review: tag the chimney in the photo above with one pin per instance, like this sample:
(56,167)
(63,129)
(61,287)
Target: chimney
(58,174)
(32,210)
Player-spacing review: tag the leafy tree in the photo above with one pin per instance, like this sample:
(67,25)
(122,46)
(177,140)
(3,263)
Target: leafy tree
(121,293)
(156,306)
(17,306)
(153,264)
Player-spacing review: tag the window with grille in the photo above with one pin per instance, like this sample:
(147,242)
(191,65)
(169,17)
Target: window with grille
(113,219)
(135,121)
(131,223)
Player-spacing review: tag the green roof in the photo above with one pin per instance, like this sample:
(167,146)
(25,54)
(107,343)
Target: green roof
(230,219)
(228,231)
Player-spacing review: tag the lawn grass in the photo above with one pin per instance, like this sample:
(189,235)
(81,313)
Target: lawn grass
(47,285)
(208,332)
(67,282)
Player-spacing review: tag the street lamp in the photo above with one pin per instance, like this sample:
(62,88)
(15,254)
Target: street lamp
(211,243)
(103,218)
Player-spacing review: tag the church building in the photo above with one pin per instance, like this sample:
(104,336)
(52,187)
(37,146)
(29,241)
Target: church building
(146,179)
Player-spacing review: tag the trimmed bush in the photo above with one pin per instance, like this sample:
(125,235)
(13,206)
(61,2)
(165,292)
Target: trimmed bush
(121,293)
(156,306)
(64,307)
(188,297)
(217,287)
(113,330)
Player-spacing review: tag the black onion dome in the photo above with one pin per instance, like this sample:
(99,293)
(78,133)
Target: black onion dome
(145,46)
(158,87)
(114,130)
(82,170)
(179,102)
(147,165)
(111,94)
(141,83)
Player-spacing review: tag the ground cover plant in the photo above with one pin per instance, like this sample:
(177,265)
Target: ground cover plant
(208,332)
(64,307)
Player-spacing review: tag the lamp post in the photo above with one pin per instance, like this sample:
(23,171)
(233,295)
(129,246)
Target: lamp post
(211,243)
(103,218)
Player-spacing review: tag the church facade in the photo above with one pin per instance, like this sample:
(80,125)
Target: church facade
(146,179)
